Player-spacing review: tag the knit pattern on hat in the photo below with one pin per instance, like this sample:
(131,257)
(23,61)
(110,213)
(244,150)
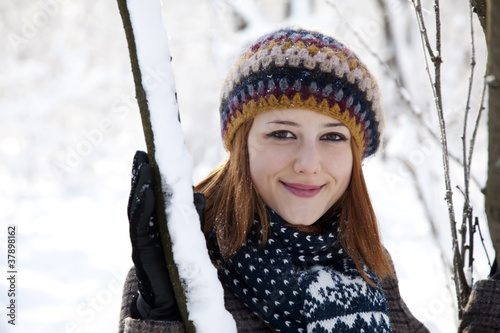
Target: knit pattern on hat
(301,69)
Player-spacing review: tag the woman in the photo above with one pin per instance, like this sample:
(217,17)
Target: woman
(288,219)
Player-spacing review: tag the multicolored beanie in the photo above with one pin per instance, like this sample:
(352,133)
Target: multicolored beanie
(301,69)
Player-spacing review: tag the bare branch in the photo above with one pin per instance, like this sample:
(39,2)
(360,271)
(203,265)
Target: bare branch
(462,287)
(492,198)
(476,225)
(390,67)
(423,30)
(467,223)
(476,125)
(436,88)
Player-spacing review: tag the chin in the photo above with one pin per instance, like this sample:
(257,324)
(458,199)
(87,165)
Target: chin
(297,219)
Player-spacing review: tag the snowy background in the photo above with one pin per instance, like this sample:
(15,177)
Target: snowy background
(69,127)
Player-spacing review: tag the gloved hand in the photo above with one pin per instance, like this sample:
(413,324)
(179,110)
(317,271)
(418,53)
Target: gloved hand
(156,297)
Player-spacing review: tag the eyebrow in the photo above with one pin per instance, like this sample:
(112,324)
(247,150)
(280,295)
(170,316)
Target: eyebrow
(294,124)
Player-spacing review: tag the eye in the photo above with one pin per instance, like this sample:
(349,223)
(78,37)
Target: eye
(333,137)
(281,135)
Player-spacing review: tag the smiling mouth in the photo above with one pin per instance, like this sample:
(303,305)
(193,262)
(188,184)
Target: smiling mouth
(302,190)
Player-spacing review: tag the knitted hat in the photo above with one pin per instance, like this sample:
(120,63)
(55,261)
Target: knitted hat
(301,69)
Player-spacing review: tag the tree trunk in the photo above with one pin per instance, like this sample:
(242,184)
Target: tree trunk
(479,7)
(492,200)
(161,197)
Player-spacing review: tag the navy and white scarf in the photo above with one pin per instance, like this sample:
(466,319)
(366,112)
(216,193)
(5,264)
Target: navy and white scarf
(299,282)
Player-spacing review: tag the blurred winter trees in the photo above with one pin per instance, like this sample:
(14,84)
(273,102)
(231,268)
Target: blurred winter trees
(431,59)
(70,125)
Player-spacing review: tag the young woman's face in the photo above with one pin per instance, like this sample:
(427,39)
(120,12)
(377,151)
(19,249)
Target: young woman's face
(300,162)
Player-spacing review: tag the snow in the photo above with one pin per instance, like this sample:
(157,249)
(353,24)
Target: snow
(204,293)
(69,127)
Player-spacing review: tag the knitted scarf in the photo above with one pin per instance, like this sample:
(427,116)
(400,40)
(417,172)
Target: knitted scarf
(299,282)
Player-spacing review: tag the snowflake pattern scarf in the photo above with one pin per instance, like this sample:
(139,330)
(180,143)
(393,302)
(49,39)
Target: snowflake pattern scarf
(300,282)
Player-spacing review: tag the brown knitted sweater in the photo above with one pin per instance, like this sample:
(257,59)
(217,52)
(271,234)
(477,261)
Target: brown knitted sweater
(482,314)
(401,318)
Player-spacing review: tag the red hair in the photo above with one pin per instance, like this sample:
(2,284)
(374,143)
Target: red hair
(358,229)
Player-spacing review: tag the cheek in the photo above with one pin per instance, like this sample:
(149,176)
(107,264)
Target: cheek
(348,171)
(340,166)
(265,159)
(262,166)
(266,166)
(347,165)
(255,173)
(261,180)
(254,159)
(257,161)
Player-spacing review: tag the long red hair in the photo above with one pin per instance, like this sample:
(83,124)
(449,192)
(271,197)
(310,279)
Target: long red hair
(232,204)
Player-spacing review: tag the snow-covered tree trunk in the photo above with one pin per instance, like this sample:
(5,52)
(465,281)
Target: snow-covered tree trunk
(197,289)
(492,201)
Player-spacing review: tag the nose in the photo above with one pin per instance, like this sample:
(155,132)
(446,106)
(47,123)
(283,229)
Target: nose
(307,159)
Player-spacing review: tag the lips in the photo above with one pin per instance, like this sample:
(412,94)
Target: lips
(302,190)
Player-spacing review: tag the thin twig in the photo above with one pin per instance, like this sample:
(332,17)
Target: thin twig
(401,89)
(476,224)
(478,118)
(425,42)
(461,285)
(467,209)
(436,88)
(471,150)
(423,29)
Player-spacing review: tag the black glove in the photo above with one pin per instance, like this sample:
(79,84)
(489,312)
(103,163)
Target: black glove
(156,297)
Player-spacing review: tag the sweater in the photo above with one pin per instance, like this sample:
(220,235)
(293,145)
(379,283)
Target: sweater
(247,322)
(482,314)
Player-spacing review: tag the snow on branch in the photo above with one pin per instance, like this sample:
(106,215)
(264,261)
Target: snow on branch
(200,294)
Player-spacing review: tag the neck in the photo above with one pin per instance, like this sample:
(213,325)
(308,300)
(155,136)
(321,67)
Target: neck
(319,227)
